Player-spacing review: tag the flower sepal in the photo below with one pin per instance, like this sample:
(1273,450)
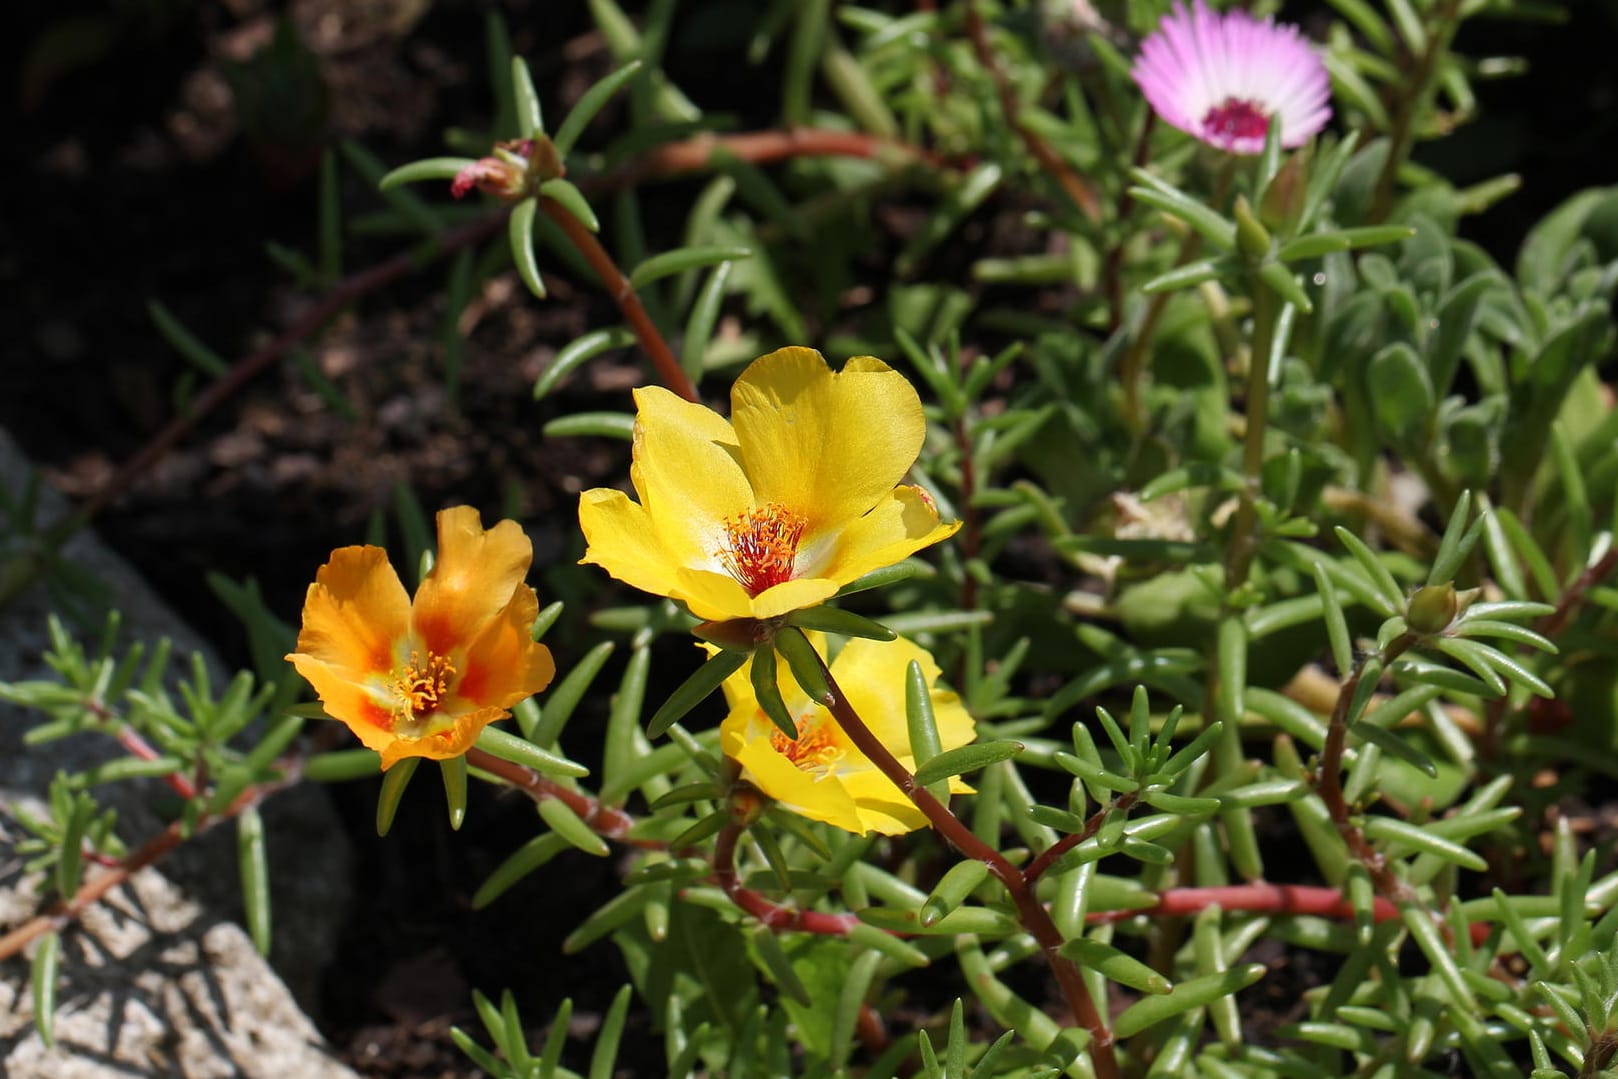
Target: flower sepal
(844,623)
(768,694)
(735,634)
(806,666)
(1252,238)
(696,689)
(394,781)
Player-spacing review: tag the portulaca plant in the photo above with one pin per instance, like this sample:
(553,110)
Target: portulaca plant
(1036,645)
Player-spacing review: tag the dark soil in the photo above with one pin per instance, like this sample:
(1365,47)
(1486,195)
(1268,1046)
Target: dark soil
(132,180)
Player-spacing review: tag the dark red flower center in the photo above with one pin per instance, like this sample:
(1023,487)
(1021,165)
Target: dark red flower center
(1235,119)
(761,546)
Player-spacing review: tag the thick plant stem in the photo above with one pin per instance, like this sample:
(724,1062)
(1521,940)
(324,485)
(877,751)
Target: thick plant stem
(671,159)
(1030,912)
(1048,857)
(1132,364)
(1266,313)
(623,294)
(606,821)
(1329,780)
(771,914)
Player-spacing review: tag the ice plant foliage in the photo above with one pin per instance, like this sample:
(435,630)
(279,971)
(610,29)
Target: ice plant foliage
(796,495)
(821,775)
(1224,78)
(423,678)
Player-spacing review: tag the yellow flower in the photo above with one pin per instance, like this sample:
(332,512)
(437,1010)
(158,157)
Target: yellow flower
(822,775)
(423,678)
(776,509)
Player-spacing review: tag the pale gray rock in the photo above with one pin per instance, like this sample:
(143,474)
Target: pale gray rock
(160,981)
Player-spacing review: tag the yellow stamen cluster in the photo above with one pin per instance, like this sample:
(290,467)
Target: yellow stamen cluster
(761,546)
(814,750)
(420,686)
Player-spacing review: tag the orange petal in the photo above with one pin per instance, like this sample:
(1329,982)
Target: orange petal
(361,706)
(472,580)
(452,741)
(504,664)
(356,614)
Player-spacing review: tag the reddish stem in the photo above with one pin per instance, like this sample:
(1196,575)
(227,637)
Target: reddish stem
(755,147)
(1047,857)
(131,739)
(606,821)
(690,155)
(65,910)
(1082,195)
(1030,912)
(623,294)
(772,914)
(1329,779)
(1318,900)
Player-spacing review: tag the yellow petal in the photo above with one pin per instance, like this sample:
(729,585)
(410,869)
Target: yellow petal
(356,614)
(825,445)
(712,597)
(794,595)
(872,675)
(903,522)
(619,538)
(687,474)
(504,664)
(882,807)
(822,799)
(472,579)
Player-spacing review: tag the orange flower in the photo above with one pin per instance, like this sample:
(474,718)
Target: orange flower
(423,678)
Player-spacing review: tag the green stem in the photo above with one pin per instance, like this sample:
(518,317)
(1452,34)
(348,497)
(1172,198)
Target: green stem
(1132,365)
(1417,93)
(1266,313)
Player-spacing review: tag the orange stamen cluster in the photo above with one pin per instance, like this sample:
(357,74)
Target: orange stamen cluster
(420,686)
(814,750)
(761,546)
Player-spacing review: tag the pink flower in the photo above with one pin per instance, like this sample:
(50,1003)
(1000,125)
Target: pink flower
(1223,78)
(505,175)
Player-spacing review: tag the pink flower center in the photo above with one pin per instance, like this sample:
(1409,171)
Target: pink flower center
(420,685)
(761,546)
(1235,120)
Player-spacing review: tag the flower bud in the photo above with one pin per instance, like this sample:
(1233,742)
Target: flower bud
(1281,205)
(1252,238)
(1432,608)
(747,804)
